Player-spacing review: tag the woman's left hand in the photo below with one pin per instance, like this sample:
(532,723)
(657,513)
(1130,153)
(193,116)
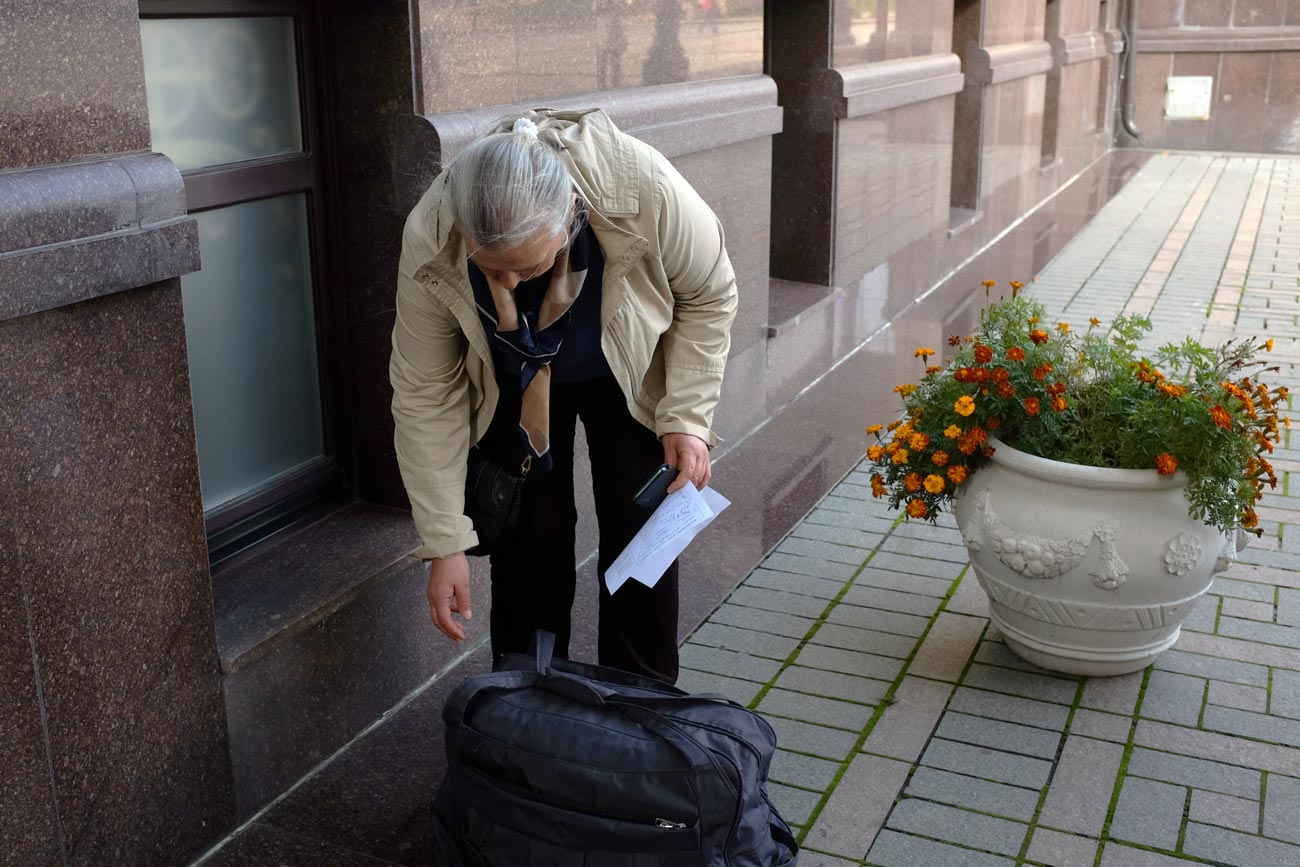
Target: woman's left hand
(690,455)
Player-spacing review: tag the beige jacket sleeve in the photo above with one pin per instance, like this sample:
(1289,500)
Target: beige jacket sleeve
(704,305)
(431,411)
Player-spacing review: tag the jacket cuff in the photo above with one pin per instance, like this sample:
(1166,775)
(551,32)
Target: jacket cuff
(447,547)
(696,430)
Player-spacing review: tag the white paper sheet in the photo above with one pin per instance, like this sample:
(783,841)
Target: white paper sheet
(679,518)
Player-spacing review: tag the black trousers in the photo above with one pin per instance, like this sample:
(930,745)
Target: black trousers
(534,579)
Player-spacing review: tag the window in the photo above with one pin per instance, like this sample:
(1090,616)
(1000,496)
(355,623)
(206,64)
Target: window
(233,102)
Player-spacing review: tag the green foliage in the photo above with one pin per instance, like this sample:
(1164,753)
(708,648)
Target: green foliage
(1087,398)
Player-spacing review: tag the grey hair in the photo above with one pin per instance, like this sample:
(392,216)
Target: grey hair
(507,187)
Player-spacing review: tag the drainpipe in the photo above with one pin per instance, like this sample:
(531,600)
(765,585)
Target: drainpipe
(1128,26)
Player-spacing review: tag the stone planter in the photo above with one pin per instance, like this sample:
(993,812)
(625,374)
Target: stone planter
(1088,570)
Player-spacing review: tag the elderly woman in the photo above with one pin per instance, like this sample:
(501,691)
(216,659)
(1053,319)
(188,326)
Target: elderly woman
(557,270)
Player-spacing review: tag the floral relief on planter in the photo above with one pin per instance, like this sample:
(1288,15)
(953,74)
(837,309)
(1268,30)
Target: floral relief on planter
(1182,554)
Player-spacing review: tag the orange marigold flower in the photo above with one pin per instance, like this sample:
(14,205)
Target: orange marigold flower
(994,423)
(900,456)
(1169,389)
(923,352)
(919,440)
(1220,417)
(1059,404)
(1005,389)
(1016,285)
(1031,405)
(874,429)
(916,508)
(979,374)
(1056,388)
(1166,464)
(1249,519)
(1015,353)
(1268,345)
(983,355)
(988,284)
(875,453)
(934,484)
(939,458)
(1041,371)
(967,446)
(905,389)
(965,405)
(912,481)
(978,435)
(954,340)
(957,474)
(1038,336)
(952,431)
(988,451)
(1094,321)
(892,425)
(1063,327)
(877,486)
(933,368)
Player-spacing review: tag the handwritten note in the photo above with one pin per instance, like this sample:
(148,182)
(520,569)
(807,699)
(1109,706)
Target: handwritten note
(679,518)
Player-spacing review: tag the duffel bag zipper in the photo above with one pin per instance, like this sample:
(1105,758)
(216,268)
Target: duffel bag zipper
(669,824)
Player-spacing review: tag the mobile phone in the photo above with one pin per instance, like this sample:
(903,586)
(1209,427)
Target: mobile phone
(652,493)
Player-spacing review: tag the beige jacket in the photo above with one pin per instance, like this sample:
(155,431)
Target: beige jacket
(667,303)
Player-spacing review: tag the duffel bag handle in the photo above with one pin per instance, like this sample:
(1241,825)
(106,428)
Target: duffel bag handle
(543,650)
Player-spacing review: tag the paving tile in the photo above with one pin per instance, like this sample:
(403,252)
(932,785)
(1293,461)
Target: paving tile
(1238,814)
(1119,855)
(1281,808)
(1212,667)
(832,684)
(1114,694)
(1239,850)
(766,644)
(840,535)
(969,597)
(816,567)
(835,517)
(974,794)
(988,764)
(999,735)
(947,647)
(1238,696)
(1284,697)
(805,772)
(819,550)
(795,805)
(930,548)
(1197,773)
(1102,726)
(811,708)
(1251,630)
(1055,849)
(717,660)
(905,726)
(890,600)
(849,662)
(742,691)
(917,565)
(762,621)
(857,808)
(958,826)
(1235,589)
(1021,683)
(818,859)
(778,601)
(1217,747)
(864,640)
(1252,725)
(1081,786)
(884,621)
(1149,813)
(817,740)
(1010,708)
(804,585)
(996,652)
(1174,698)
(918,584)
(1247,609)
(893,849)
(1288,602)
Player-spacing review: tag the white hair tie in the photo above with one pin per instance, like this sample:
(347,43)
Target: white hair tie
(525,125)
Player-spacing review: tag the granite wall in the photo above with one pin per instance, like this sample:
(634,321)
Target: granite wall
(1251,51)
(111,717)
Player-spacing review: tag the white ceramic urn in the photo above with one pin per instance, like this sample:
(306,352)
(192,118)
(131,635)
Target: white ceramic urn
(1088,570)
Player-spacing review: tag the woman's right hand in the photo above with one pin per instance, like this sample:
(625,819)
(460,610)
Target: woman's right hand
(449,592)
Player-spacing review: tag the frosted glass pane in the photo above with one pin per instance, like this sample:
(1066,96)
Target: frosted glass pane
(251,328)
(221,90)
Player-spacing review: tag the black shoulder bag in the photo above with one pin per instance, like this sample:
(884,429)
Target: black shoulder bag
(492,499)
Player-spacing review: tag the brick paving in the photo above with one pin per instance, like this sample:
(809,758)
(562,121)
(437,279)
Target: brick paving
(912,737)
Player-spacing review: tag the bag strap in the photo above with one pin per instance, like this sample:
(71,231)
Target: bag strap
(543,650)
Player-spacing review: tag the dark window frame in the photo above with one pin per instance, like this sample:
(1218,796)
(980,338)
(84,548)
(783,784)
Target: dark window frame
(306,492)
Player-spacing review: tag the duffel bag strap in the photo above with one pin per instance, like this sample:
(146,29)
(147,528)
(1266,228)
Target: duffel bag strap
(543,650)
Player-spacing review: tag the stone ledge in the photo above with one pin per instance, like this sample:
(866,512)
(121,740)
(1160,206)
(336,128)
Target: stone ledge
(996,64)
(1216,39)
(1077,48)
(1114,40)
(677,119)
(114,224)
(871,87)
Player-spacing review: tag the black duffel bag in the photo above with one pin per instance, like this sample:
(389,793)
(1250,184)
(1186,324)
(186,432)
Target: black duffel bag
(557,763)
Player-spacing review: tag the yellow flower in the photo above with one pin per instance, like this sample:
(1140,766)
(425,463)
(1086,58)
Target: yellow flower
(877,485)
(1094,321)
(934,484)
(956,474)
(939,458)
(1017,285)
(923,352)
(905,389)
(916,508)
(988,284)
(1268,345)
(912,481)
(900,456)
(933,368)
(965,405)
(952,432)
(1063,327)
(875,453)
(919,440)
(874,429)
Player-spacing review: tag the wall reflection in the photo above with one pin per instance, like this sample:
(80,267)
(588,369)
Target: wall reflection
(867,31)
(478,53)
